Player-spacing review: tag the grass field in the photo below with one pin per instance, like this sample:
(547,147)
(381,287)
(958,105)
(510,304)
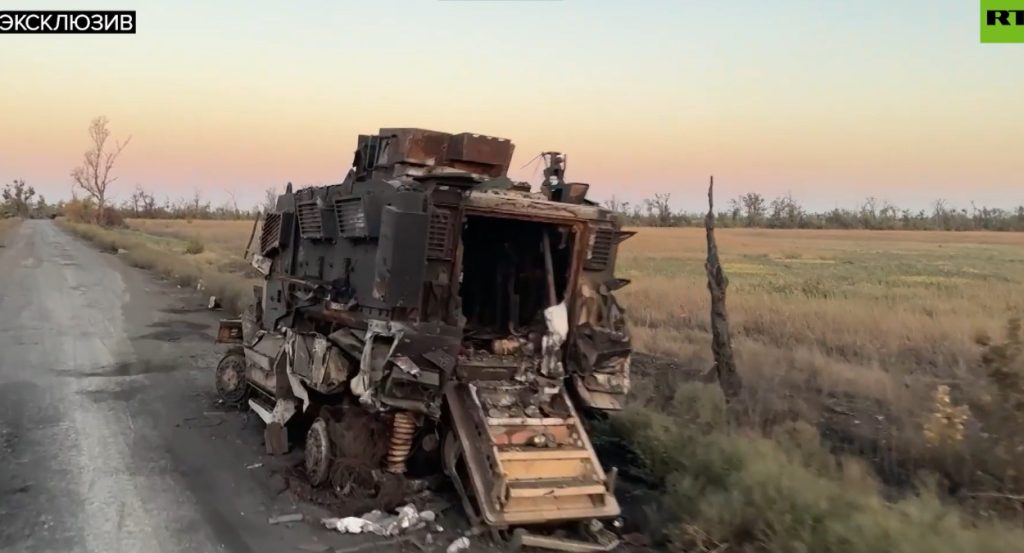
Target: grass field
(894,301)
(892,351)
(846,341)
(225,238)
(883,315)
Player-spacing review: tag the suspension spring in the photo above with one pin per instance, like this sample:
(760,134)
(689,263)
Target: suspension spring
(403,428)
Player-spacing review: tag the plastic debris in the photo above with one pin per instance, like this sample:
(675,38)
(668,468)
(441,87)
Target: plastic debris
(214,303)
(409,517)
(281,519)
(460,544)
(352,525)
(406,518)
(254,466)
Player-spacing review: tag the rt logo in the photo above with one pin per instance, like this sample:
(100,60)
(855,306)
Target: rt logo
(1002,21)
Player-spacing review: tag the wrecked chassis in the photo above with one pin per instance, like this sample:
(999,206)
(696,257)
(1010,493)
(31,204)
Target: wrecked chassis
(451,314)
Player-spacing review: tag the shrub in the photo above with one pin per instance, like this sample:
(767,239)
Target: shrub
(112,217)
(194,247)
(725,488)
(84,211)
(79,211)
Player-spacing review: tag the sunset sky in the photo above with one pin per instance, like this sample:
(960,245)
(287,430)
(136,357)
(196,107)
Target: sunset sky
(831,101)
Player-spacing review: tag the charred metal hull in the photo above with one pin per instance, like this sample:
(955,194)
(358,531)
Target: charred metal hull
(428,289)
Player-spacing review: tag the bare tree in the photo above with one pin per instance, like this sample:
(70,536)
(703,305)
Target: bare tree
(616,205)
(754,206)
(141,202)
(888,215)
(270,200)
(196,203)
(942,214)
(17,196)
(41,208)
(149,205)
(135,200)
(786,212)
(659,210)
(93,175)
(233,202)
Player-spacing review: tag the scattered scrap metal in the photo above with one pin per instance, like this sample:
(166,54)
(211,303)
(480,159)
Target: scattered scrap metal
(283,519)
(469,315)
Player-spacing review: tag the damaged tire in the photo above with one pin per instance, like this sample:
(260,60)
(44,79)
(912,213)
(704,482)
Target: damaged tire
(318,452)
(230,378)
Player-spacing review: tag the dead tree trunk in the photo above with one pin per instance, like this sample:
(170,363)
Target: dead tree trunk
(721,344)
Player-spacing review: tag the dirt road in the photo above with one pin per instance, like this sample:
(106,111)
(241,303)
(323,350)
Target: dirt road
(110,439)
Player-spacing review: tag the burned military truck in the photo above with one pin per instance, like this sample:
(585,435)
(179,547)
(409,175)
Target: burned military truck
(430,290)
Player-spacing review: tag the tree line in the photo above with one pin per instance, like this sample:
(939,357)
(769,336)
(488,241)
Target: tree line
(20,200)
(753,210)
(92,178)
(94,175)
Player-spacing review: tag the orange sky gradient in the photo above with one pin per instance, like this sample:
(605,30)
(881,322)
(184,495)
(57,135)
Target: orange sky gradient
(832,103)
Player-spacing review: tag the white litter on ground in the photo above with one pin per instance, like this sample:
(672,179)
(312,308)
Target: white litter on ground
(460,544)
(406,518)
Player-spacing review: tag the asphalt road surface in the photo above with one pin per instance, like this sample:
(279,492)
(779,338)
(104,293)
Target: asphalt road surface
(110,437)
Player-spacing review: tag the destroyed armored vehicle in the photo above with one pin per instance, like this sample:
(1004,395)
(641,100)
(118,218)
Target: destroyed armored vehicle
(471,315)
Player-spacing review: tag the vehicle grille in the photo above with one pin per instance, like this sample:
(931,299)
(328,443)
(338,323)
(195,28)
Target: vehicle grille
(351,218)
(601,249)
(270,236)
(439,234)
(311,224)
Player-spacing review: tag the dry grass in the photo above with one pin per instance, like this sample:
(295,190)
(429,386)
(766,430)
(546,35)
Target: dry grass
(851,331)
(6,226)
(850,306)
(214,245)
(226,276)
(224,237)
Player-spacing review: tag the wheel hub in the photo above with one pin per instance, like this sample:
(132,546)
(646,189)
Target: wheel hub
(317,452)
(231,379)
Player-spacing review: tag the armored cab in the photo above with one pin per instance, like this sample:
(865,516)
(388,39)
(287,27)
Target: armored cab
(428,290)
